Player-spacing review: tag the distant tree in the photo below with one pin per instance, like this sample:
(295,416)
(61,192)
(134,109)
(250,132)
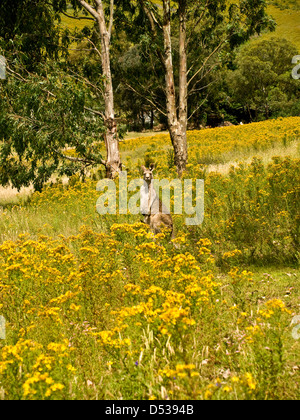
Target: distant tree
(262,81)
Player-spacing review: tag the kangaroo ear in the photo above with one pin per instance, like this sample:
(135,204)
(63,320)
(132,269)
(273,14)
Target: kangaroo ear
(143,168)
(152,167)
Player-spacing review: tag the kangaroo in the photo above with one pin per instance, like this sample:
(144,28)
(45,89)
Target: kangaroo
(156,215)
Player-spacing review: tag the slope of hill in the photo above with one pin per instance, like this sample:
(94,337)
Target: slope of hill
(288,24)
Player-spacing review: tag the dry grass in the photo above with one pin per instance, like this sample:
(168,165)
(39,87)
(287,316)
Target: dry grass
(134,135)
(292,150)
(11,196)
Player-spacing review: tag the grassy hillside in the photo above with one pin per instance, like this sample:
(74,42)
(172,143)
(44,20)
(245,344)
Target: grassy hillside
(95,309)
(288,24)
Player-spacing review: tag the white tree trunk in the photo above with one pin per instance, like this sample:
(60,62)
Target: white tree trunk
(113,161)
(177,122)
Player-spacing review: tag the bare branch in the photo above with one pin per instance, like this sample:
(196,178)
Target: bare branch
(89,8)
(79,77)
(93,111)
(198,107)
(22,79)
(76,159)
(201,88)
(147,99)
(149,16)
(206,60)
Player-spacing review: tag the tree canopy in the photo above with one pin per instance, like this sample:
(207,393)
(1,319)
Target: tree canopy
(41,117)
(46,102)
(262,81)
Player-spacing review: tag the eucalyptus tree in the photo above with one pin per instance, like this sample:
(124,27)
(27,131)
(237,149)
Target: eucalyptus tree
(192,38)
(98,9)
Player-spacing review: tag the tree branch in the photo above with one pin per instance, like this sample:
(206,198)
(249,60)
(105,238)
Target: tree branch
(15,74)
(89,8)
(198,20)
(93,111)
(206,60)
(201,88)
(202,77)
(90,41)
(147,99)
(78,17)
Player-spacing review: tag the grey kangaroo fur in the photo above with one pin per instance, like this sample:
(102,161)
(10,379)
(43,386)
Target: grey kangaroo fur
(156,215)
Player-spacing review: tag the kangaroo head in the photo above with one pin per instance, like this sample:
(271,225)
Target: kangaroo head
(148,173)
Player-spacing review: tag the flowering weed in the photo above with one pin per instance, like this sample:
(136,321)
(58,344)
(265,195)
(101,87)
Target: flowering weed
(95,308)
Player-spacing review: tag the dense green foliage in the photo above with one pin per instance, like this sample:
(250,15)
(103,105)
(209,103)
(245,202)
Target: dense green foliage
(262,81)
(94,306)
(40,117)
(214,31)
(45,100)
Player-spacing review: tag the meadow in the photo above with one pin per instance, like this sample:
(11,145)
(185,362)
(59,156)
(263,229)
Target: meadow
(96,309)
